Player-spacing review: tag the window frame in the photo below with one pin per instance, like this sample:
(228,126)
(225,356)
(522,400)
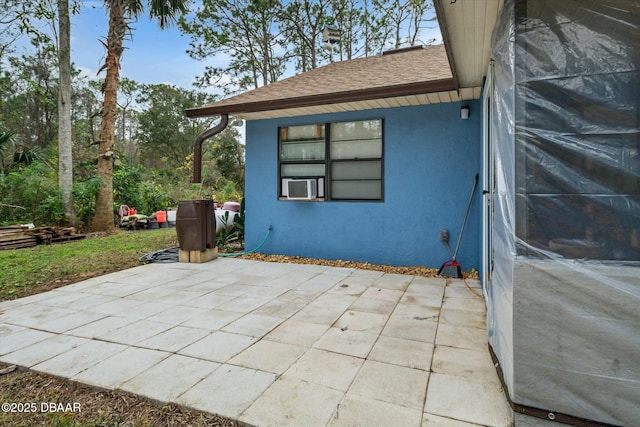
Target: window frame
(327,179)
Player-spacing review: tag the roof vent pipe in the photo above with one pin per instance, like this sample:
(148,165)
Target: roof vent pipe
(197,146)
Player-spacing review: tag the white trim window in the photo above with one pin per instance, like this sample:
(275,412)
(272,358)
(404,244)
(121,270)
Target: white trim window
(345,159)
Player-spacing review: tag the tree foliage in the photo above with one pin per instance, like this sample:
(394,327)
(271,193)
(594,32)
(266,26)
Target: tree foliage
(163,130)
(227,155)
(30,194)
(125,123)
(136,188)
(246,32)
(255,40)
(303,22)
(28,178)
(7,145)
(131,143)
(31,90)
(155,125)
(19,18)
(121,13)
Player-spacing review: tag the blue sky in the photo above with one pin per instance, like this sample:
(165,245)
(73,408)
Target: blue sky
(152,56)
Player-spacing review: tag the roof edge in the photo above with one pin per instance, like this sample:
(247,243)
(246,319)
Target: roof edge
(326,99)
(446,40)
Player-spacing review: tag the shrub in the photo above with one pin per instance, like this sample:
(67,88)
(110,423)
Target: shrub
(228,193)
(131,188)
(84,199)
(30,194)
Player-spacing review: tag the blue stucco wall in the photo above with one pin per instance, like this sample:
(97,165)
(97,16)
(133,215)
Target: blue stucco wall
(430,159)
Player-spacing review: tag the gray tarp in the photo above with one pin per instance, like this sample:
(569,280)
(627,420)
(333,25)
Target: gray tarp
(564,294)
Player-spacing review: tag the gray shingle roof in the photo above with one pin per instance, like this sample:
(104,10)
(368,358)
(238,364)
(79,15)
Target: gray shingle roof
(408,71)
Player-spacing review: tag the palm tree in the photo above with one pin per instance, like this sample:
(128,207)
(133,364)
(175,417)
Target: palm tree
(121,13)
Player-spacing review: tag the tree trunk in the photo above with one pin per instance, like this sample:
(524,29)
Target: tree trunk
(65,157)
(104,215)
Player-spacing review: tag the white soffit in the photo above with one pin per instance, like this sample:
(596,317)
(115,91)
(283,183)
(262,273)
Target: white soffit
(469,25)
(401,101)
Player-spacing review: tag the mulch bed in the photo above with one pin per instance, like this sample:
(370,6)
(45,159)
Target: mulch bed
(413,271)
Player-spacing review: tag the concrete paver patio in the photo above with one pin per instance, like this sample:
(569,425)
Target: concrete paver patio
(269,343)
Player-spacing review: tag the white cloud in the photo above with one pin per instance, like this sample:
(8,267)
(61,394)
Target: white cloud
(87,73)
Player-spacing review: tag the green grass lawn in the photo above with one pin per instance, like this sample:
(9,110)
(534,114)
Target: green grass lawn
(32,270)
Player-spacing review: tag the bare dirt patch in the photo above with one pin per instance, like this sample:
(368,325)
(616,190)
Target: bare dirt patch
(41,400)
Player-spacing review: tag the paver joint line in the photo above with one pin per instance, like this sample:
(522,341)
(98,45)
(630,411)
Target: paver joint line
(296,344)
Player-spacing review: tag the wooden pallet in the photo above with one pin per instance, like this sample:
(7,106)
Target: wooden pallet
(17,237)
(17,242)
(13,237)
(12,230)
(64,239)
(48,235)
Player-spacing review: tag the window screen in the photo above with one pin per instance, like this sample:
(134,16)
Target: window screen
(345,158)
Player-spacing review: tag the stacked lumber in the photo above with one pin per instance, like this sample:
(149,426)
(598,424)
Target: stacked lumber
(48,235)
(17,237)
(14,237)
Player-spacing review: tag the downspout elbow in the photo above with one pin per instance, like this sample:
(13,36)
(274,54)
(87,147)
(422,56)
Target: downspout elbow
(197,146)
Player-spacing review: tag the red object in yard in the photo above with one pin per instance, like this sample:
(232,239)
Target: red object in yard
(161,216)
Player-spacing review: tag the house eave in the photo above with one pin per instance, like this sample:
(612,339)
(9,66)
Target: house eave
(466,28)
(326,99)
(444,31)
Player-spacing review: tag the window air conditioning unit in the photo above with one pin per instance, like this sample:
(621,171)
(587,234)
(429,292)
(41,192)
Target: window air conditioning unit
(302,189)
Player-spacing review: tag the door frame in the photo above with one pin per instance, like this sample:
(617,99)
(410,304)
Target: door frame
(488,181)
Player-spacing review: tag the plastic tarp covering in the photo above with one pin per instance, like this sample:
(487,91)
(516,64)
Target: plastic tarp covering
(564,294)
